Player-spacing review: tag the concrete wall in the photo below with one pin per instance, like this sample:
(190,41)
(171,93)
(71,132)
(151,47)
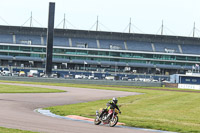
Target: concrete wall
(189,86)
(171,85)
(81,81)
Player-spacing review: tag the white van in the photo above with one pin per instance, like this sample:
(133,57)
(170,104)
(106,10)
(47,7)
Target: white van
(78,76)
(110,77)
(33,73)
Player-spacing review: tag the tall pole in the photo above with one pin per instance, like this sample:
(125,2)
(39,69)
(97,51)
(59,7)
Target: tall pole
(162,28)
(50,32)
(130,26)
(192,68)
(64,22)
(115,67)
(97,26)
(194,30)
(84,65)
(31,20)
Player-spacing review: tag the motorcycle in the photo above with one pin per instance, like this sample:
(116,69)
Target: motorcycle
(109,117)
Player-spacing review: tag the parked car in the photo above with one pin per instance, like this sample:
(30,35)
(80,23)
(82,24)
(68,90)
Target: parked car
(85,77)
(22,73)
(125,78)
(33,73)
(93,77)
(90,77)
(15,74)
(78,76)
(110,77)
(70,76)
(6,73)
(96,78)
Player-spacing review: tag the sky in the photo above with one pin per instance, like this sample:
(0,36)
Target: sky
(178,16)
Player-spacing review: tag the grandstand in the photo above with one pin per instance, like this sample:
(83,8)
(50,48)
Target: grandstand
(97,50)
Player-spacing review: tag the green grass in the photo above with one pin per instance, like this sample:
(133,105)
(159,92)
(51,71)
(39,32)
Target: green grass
(96,86)
(25,89)
(9,130)
(163,110)
(155,109)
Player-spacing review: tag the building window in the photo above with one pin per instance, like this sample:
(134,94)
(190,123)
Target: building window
(14,48)
(188,80)
(194,80)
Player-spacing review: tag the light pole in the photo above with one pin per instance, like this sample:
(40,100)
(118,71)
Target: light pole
(115,68)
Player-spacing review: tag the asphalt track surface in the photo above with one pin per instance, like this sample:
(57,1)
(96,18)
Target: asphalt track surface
(17,110)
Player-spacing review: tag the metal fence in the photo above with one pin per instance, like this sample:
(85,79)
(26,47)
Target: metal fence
(82,81)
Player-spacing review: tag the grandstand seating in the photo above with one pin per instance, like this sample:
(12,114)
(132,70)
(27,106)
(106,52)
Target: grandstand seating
(102,51)
(104,44)
(77,42)
(27,39)
(6,57)
(28,58)
(190,49)
(61,41)
(187,67)
(6,38)
(168,66)
(108,63)
(84,61)
(166,48)
(139,46)
(140,65)
(112,44)
(91,62)
(121,64)
(77,61)
(58,60)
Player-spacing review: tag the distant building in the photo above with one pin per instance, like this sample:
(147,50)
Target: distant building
(186,81)
(106,51)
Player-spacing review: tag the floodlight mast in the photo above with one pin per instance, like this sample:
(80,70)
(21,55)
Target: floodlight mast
(194,30)
(130,26)
(64,22)
(97,26)
(31,19)
(162,28)
(50,33)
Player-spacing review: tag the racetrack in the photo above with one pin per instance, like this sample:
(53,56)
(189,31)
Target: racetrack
(17,110)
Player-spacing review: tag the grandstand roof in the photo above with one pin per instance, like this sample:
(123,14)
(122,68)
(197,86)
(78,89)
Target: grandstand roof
(100,35)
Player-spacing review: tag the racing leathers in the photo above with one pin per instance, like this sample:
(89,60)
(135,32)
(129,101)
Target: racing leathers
(110,105)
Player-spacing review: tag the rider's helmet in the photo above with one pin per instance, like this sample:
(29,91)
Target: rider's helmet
(114,100)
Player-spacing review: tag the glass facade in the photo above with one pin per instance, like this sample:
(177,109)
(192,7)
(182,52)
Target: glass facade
(101,55)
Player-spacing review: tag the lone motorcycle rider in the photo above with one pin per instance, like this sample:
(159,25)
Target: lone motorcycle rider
(110,105)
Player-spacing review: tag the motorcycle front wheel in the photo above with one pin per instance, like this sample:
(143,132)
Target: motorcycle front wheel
(113,122)
(97,121)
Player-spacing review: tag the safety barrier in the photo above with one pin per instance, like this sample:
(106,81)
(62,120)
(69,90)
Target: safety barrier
(82,81)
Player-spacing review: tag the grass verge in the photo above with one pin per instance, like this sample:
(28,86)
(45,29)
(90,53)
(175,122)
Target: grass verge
(162,110)
(105,87)
(9,130)
(25,89)
(156,109)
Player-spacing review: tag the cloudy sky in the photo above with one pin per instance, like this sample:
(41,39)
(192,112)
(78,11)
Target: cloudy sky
(114,15)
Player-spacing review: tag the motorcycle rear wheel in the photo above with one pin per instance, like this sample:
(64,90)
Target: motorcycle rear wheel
(97,121)
(114,122)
